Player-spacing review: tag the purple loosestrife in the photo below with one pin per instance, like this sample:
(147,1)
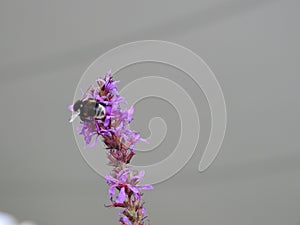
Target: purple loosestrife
(125,191)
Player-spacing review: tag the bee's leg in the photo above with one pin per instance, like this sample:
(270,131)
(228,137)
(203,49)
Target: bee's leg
(84,119)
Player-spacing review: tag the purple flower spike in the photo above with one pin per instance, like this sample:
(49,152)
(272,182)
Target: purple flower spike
(120,140)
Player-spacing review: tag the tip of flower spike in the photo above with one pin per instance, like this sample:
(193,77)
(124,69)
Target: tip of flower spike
(109,73)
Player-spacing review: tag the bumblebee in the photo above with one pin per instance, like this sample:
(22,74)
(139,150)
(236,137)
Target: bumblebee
(87,110)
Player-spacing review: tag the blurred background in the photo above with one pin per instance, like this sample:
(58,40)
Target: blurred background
(251,45)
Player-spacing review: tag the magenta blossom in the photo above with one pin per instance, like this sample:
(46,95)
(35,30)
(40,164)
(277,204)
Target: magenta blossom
(127,182)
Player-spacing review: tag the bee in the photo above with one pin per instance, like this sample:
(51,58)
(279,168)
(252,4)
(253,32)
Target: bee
(87,110)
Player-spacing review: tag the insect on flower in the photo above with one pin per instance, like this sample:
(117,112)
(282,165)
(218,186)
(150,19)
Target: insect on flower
(87,110)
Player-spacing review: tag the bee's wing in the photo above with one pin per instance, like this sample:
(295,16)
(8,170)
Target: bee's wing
(73,117)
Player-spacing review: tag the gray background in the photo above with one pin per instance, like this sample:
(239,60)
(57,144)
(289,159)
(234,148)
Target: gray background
(251,45)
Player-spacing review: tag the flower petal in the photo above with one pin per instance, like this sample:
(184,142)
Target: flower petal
(110,180)
(123,175)
(121,197)
(133,188)
(146,187)
(70,107)
(126,220)
(112,191)
(140,176)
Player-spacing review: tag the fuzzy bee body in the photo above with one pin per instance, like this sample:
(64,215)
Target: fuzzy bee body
(87,110)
